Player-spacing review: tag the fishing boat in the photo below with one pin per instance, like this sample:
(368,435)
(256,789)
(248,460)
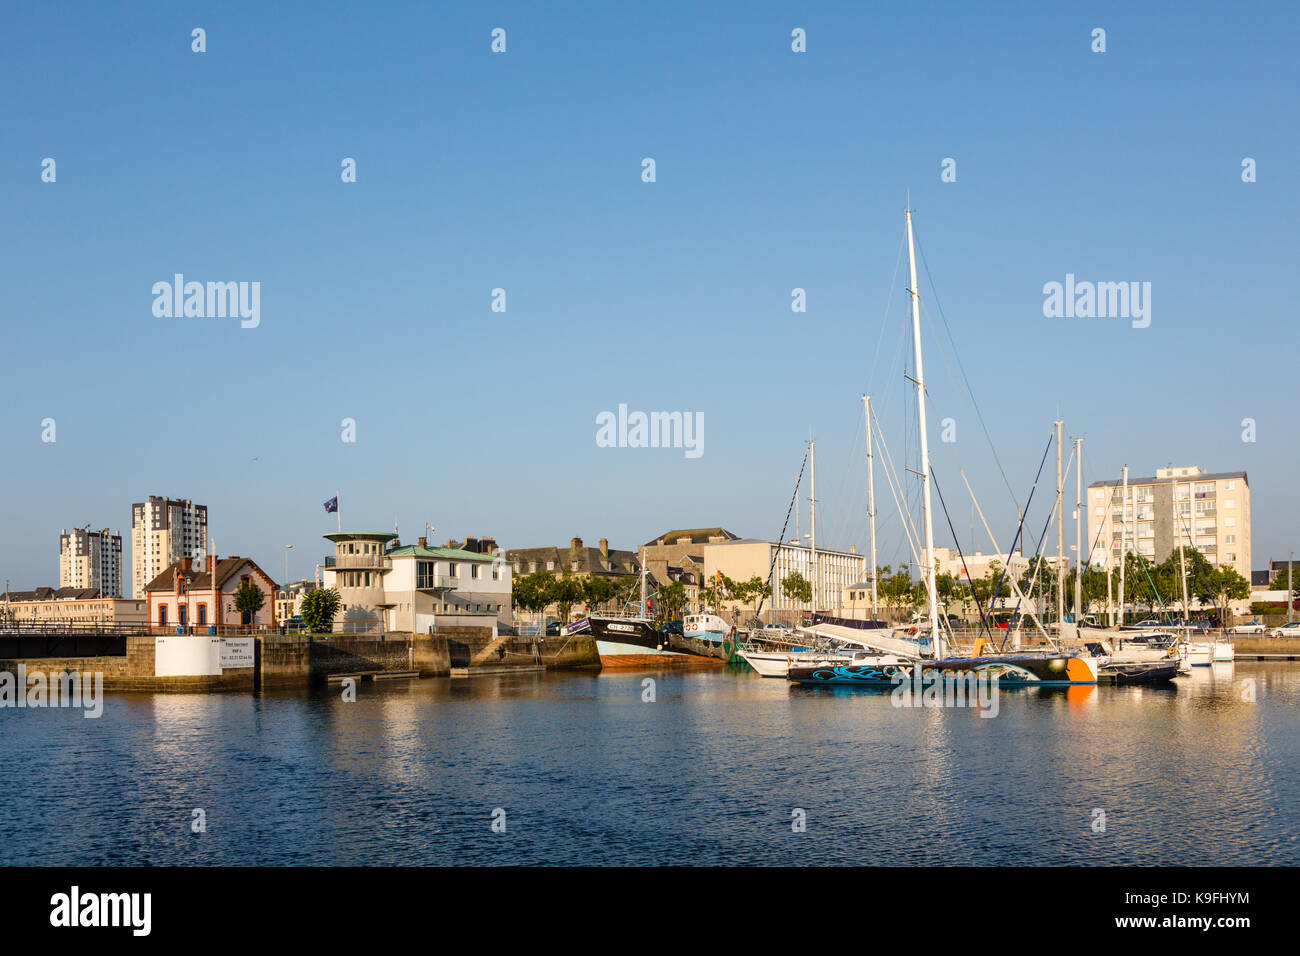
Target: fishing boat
(631,639)
(706,635)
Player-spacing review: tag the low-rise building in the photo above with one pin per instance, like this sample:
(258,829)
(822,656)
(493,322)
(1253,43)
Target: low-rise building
(385,586)
(580,562)
(185,595)
(79,606)
(829,572)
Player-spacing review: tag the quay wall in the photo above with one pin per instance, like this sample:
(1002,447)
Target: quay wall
(1266,645)
(283,661)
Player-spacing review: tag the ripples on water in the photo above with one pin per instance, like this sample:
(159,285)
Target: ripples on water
(589,774)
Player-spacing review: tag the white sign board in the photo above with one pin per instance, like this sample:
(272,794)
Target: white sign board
(237,652)
(184,656)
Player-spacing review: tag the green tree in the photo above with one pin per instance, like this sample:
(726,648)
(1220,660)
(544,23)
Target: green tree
(797,588)
(598,591)
(319,607)
(567,592)
(669,601)
(533,592)
(249,599)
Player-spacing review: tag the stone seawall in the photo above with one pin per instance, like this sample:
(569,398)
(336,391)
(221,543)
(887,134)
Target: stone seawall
(284,661)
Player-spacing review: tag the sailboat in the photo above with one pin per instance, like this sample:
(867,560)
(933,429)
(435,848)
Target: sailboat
(1056,668)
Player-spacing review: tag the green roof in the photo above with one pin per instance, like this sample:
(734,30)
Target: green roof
(457,553)
(359,536)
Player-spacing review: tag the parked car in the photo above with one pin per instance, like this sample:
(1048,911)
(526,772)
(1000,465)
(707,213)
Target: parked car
(1286,630)
(1254,627)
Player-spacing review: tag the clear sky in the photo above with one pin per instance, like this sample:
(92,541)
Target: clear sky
(522,170)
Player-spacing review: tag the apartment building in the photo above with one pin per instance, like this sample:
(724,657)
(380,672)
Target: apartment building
(164,530)
(1184,505)
(91,559)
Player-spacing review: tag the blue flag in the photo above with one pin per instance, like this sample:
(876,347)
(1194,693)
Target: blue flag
(332,505)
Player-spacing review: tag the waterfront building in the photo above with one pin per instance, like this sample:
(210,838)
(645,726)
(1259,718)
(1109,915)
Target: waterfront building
(91,559)
(164,530)
(1206,511)
(678,556)
(68,605)
(288,598)
(829,572)
(186,595)
(581,562)
(385,586)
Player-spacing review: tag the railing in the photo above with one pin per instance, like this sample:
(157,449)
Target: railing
(436,582)
(359,562)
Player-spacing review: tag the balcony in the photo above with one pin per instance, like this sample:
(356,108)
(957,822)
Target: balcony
(359,562)
(436,582)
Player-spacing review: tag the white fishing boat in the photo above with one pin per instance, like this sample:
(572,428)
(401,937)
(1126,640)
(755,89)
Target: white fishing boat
(1223,652)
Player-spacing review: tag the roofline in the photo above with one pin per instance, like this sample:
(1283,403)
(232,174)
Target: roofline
(1207,476)
(359,536)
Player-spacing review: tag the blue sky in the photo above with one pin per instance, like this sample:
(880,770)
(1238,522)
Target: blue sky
(522,170)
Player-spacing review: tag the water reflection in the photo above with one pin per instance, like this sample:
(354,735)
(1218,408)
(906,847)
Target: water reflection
(591,771)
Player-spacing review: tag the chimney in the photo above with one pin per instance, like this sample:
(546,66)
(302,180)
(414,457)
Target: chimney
(187,563)
(575,544)
(424,542)
(604,546)
(683,541)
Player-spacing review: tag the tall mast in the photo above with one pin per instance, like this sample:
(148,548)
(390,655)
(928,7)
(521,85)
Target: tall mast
(927,556)
(1123,542)
(1060,530)
(1182,558)
(1078,530)
(812,518)
(871,503)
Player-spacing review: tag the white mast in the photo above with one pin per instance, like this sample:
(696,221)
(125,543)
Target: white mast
(1060,531)
(1123,542)
(1182,557)
(1078,530)
(927,556)
(871,503)
(812,517)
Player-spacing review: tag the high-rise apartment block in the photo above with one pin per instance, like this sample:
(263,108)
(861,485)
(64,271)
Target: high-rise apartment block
(91,559)
(163,531)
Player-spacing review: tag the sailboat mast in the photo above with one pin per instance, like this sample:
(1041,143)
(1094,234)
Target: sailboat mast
(1078,529)
(1060,530)
(1123,542)
(927,556)
(812,516)
(871,502)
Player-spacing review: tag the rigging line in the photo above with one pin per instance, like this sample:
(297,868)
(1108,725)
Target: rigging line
(971,581)
(1038,555)
(1020,530)
(890,476)
(965,380)
(893,283)
(989,531)
(777,550)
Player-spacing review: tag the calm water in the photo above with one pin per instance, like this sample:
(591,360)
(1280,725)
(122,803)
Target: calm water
(589,774)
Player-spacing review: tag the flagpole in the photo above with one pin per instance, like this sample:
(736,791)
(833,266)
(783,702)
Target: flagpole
(338,512)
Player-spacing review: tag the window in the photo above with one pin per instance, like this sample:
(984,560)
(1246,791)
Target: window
(473,570)
(451,569)
(1230,486)
(1230,539)
(1230,522)
(203,614)
(162,615)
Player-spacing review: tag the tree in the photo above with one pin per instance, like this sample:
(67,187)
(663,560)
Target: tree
(567,592)
(319,607)
(669,601)
(249,599)
(597,591)
(797,588)
(533,592)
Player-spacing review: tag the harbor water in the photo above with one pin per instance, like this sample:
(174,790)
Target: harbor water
(699,767)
